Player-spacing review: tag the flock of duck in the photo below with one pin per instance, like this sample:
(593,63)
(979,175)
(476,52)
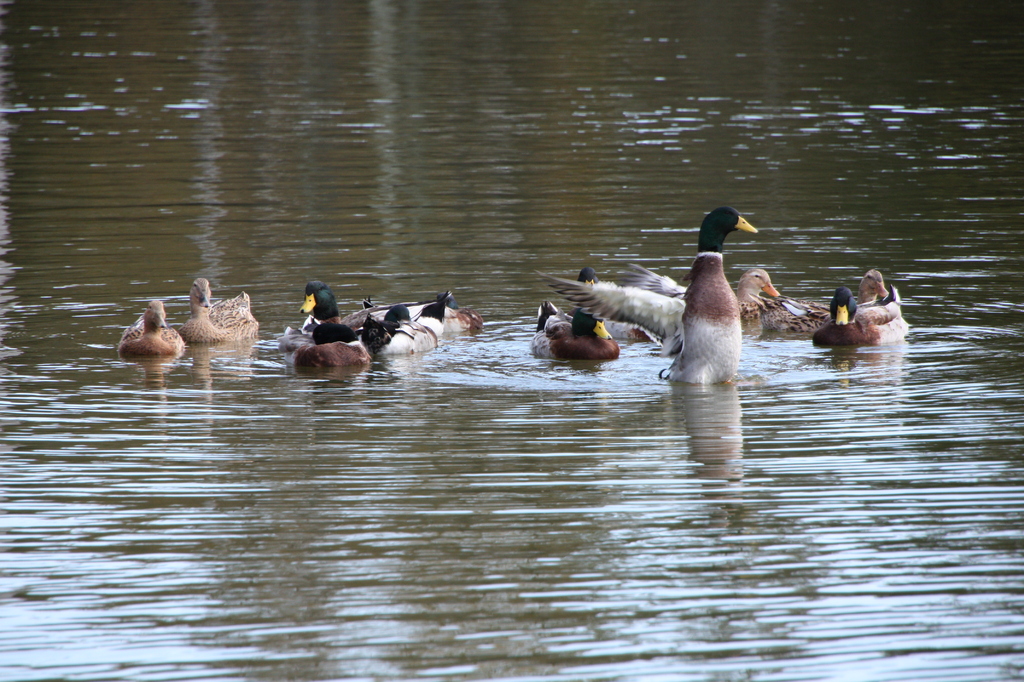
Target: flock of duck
(698,325)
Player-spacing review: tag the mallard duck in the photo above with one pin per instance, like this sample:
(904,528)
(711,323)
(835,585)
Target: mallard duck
(710,319)
(868,325)
(334,345)
(226,320)
(151,335)
(794,315)
(397,333)
(456,319)
(585,338)
(748,293)
(618,330)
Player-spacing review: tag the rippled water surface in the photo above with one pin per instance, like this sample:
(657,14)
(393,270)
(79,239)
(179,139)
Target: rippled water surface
(474,512)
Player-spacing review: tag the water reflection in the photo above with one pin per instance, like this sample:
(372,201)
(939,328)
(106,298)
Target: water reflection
(713,426)
(7,295)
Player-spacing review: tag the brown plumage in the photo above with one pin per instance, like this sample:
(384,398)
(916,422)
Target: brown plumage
(584,338)
(150,335)
(227,320)
(335,345)
(870,325)
(796,315)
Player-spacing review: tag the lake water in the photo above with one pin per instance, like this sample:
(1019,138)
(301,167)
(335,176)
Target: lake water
(474,512)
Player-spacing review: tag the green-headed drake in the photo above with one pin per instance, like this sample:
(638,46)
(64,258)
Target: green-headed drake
(867,325)
(703,333)
(584,338)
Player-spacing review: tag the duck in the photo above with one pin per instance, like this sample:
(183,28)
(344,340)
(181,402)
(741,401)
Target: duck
(708,349)
(748,293)
(397,333)
(455,319)
(584,338)
(334,345)
(618,330)
(867,325)
(795,315)
(226,320)
(151,335)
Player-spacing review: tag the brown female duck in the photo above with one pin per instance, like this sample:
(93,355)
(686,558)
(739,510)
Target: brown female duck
(226,320)
(150,335)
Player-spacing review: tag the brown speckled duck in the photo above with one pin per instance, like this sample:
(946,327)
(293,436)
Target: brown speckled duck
(227,320)
(150,335)
(868,325)
(709,352)
(584,338)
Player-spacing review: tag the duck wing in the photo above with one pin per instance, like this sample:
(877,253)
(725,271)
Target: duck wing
(659,315)
(642,278)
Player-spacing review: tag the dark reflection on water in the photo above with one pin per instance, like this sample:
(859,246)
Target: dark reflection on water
(474,512)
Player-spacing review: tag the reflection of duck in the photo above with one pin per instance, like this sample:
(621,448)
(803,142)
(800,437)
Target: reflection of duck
(226,320)
(712,417)
(711,315)
(334,345)
(584,338)
(868,325)
(151,335)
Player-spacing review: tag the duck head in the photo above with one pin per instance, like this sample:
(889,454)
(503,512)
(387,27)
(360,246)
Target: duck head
(717,225)
(585,324)
(397,314)
(588,276)
(753,281)
(199,295)
(320,301)
(843,306)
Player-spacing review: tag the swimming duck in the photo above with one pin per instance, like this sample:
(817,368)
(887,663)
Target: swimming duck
(748,293)
(397,333)
(151,335)
(868,325)
(709,347)
(796,315)
(456,319)
(226,320)
(334,345)
(584,338)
